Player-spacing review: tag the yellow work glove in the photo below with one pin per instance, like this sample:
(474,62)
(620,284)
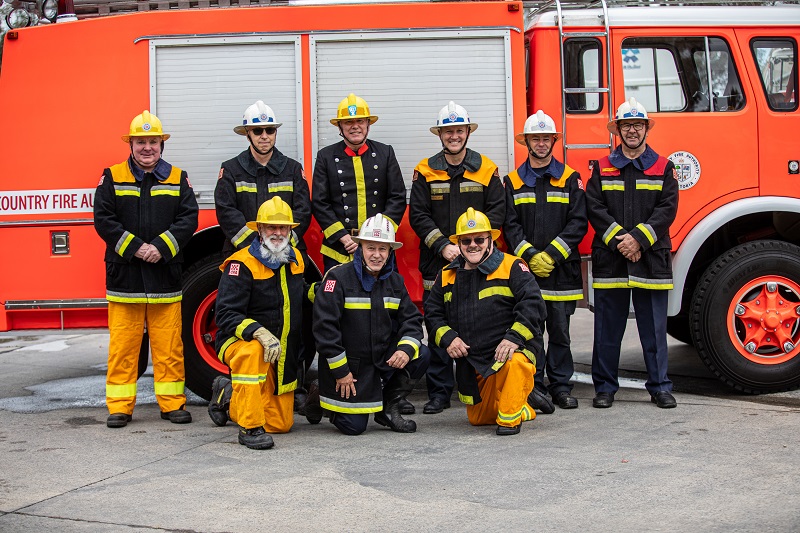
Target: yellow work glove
(271,344)
(542,264)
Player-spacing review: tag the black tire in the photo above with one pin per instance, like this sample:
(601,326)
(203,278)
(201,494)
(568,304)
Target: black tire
(199,280)
(711,300)
(680,329)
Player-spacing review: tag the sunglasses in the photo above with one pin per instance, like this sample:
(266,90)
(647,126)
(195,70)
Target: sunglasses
(477,240)
(258,131)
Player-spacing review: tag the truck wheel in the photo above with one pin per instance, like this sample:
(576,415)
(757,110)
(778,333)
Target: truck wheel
(745,317)
(679,328)
(200,282)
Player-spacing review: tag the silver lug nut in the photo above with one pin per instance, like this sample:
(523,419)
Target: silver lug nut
(788,346)
(739,309)
(750,347)
(772,286)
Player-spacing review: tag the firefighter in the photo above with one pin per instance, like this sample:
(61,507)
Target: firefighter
(369,335)
(259,309)
(545,222)
(245,182)
(486,311)
(443,187)
(354,180)
(146,212)
(631,199)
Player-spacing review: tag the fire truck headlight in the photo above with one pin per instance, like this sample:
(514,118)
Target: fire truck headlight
(18,18)
(50,10)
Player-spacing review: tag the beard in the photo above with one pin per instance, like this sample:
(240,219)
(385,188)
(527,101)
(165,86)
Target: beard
(275,252)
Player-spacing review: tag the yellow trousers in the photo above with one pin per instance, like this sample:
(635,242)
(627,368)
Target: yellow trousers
(253,403)
(126,323)
(504,395)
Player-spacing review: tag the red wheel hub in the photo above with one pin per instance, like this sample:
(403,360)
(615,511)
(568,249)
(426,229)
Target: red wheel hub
(204,332)
(764,320)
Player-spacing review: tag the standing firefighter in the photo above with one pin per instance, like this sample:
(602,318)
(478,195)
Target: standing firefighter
(485,310)
(632,199)
(545,222)
(444,186)
(369,336)
(259,310)
(146,212)
(354,180)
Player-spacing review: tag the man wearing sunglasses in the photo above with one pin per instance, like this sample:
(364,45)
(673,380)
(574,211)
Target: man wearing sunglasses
(485,311)
(443,187)
(254,176)
(354,179)
(545,222)
(632,199)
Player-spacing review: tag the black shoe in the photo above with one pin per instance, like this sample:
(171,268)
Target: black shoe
(603,400)
(178,416)
(118,420)
(541,402)
(664,400)
(300,399)
(565,401)
(221,392)
(435,405)
(312,408)
(505,430)
(395,422)
(255,439)
(406,407)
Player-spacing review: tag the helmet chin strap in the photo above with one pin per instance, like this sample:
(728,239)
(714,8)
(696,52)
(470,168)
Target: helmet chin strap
(485,255)
(341,134)
(627,145)
(259,152)
(463,146)
(139,163)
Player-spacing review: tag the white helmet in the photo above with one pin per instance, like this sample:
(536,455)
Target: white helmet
(630,110)
(378,229)
(258,114)
(540,123)
(453,115)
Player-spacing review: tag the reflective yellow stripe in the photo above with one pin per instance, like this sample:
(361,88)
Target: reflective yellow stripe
(165,192)
(287,316)
(647,234)
(522,248)
(244,236)
(361,190)
(312,292)
(466,399)
(248,379)
(171,388)
(522,330)
(121,391)
(440,333)
(337,361)
(560,248)
(495,291)
(282,188)
(356,305)
(143,299)
(611,285)
(557,200)
(527,413)
(225,345)
(333,254)
(391,305)
(613,187)
(497,365)
(413,345)
(525,200)
(246,188)
(125,244)
(611,234)
(333,228)
(513,418)
(241,327)
(448,296)
(171,246)
(530,355)
(126,192)
(656,286)
(562,297)
(339,408)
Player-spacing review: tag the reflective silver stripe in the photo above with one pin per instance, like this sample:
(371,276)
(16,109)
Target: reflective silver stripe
(123,241)
(650,185)
(351,406)
(613,185)
(391,303)
(612,230)
(245,186)
(652,233)
(562,247)
(470,186)
(575,294)
(242,233)
(126,189)
(412,340)
(175,247)
(521,247)
(281,186)
(525,198)
(337,361)
(169,189)
(357,303)
(427,284)
(650,282)
(559,197)
(432,237)
(440,188)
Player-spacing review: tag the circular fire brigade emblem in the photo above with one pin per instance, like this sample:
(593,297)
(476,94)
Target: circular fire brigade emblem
(471,224)
(146,126)
(541,125)
(634,112)
(263,117)
(687,169)
(453,117)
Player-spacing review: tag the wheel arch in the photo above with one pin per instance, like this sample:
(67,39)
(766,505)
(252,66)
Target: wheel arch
(732,224)
(203,243)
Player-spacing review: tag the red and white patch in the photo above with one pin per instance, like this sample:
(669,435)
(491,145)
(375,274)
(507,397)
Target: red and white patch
(580,184)
(674,173)
(302,173)
(330,285)
(524,267)
(234,270)
(415,176)
(102,178)
(221,172)
(189,183)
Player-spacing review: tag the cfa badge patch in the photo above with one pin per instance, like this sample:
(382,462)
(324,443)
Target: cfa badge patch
(580,185)
(102,177)
(221,172)
(330,285)
(524,267)
(234,270)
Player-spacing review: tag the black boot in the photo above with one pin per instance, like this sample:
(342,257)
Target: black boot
(220,404)
(398,387)
(312,408)
(300,393)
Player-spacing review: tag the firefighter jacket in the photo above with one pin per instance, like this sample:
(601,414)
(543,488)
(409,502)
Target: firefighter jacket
(244,184)
(253,295)
(350,187)
(132,208)
(548,215)
(639,197)
(498,300)
(440,194)
(359,322)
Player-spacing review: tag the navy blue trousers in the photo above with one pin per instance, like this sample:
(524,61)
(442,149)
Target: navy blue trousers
(440,379)
(611,308)
(356,424)
(557,360)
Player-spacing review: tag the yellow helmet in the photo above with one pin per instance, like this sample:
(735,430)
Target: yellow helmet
(473,222)
(274,211)
(145,125)
(353,107)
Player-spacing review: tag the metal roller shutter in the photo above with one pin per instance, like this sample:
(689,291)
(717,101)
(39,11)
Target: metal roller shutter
(202,87)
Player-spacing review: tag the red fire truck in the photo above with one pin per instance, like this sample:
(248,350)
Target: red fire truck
(720,81)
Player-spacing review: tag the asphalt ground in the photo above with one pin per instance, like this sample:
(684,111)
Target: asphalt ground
(720,461)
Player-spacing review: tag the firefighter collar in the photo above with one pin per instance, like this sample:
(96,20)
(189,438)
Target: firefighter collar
(255,245)
(275,165)
(528,174)
(367,281)
(472,161)
(349,151)
(643,162)
(161,172)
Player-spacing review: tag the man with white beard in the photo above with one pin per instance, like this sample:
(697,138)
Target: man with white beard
(259,312)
